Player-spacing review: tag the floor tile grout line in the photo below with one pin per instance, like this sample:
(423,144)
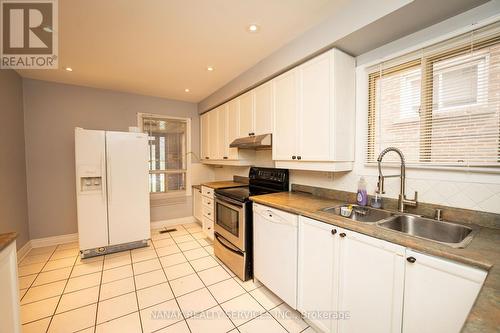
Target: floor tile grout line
(173,294)
(168,281)
(99,295)
(37,274)
(210,292)
(135,292)
(60,297)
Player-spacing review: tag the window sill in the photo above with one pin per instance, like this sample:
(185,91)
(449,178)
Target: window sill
(168,199)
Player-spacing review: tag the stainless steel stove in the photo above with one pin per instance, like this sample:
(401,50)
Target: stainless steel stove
(233,218)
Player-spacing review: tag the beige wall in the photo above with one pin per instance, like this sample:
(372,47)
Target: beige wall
(52,111)
(13,202)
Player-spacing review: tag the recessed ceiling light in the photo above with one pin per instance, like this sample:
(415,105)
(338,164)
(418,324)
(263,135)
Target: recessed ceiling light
(186,90)
(69,69)
(253,28)
(210,68)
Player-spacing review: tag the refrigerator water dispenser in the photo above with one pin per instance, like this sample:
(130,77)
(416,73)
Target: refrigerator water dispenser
(90,184)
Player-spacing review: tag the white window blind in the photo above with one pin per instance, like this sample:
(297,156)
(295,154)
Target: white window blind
(167,154)
(439,105)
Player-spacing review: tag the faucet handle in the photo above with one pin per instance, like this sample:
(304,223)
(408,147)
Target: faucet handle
(416,196)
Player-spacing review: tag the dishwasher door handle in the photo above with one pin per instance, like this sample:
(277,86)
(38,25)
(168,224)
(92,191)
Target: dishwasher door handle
(272,217)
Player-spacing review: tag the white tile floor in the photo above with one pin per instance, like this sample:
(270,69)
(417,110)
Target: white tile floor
(174,285)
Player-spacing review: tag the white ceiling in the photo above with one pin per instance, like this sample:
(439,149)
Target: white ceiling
(161,47)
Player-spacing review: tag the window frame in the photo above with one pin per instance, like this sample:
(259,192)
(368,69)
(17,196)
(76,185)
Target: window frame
(426,105)
(155,196)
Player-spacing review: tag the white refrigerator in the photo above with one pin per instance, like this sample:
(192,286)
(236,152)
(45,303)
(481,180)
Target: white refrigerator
(112,191)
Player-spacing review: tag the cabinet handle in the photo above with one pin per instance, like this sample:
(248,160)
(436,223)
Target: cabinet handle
(334,231)
(299,157)
(206,157)
(411,259)
(251,134)
(342,234)
(209,214)
(294,157)
(225,157)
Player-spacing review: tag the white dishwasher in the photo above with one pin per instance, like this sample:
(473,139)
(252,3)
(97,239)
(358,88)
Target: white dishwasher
(275,251)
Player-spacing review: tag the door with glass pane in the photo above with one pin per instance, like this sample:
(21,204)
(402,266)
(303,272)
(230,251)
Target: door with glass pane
(167,154)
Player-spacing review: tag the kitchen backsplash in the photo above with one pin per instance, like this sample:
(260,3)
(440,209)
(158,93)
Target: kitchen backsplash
(474,195)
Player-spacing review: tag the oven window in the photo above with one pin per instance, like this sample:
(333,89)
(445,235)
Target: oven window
(228,219)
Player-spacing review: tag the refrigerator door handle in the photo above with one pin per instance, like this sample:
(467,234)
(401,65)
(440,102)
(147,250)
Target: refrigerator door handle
(103,179)
(110,194)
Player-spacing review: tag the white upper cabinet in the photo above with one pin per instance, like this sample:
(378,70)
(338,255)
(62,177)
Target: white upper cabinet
(233,126)
(439,294)
(213,125)
(318,114)
(263,115)
(309,110)
(246,114)
(222,128)
(285,116)
(219,127)
(205,137)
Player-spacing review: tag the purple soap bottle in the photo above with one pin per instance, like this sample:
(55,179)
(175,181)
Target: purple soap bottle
(362,196)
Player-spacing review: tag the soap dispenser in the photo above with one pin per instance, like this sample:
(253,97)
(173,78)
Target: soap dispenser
(362,196)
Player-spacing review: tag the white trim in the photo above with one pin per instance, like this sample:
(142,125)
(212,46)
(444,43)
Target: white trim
(172,222)
(23,251)
(54,240)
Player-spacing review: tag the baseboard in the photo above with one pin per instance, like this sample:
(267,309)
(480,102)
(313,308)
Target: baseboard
(23,251)
(172,222)
(54,240)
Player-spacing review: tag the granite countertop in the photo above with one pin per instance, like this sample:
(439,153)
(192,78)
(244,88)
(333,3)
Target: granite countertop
(483,252)
(6,239)
(223,184)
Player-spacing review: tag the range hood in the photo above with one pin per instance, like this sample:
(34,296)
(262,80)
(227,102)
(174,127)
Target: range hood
(253,142)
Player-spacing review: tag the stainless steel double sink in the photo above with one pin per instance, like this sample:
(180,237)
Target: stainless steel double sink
(448,233)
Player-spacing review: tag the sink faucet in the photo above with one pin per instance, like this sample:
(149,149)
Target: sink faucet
(402,201)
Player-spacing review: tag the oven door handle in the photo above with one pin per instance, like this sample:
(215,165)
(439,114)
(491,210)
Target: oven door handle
(227,245)
(229,201)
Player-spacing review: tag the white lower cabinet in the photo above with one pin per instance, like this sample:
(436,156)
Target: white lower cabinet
(439,294)
(378,286)
(371,282)
(349,282)
(9,291)
(197,204)
(316,267)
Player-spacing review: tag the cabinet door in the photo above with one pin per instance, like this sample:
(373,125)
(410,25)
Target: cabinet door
(222,145)
(246,114)
(233,126)
(285,116)
(438,294)
(9,289)
(370,284)
(318,257)
(197,204)
(315,116)
(205,137)
(213,122)
(264,109)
